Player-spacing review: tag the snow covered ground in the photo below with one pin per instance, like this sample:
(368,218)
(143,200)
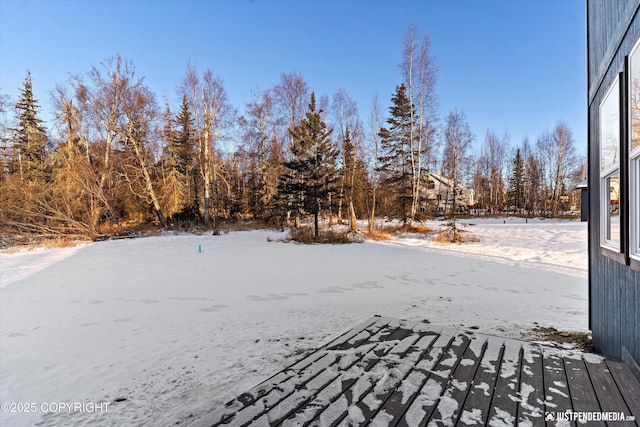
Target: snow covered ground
(152,331)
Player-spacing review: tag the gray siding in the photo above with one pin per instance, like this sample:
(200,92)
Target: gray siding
(613,27)
(607,21)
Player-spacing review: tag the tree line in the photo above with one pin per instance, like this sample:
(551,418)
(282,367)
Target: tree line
(117,157)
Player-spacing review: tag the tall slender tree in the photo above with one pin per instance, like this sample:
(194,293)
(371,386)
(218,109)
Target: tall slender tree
(458,138)
(516,182)
(213,117)
(374,125)
(533,179)
(395,160)
(419,71)
(349,129)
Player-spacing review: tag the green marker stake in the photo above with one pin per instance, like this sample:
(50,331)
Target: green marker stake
(199,249)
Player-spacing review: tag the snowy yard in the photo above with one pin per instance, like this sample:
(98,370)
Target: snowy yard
(171,333)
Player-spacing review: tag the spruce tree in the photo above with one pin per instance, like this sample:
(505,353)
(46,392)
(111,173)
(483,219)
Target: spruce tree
(312,172)
(516,182)
(348,174)
(178,186)
(30,136)
(182,143)
(395,163)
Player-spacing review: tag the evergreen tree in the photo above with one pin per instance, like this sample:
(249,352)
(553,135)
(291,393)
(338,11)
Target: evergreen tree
(312,171)
(182,143)
(349,175)
(516,182)
(395,165)
(30,136)
(178,193)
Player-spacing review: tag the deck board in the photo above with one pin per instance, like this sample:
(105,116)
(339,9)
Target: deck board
(389,372)
(628,383)
(583,396)
(556,391)
(505,400)
(531,394)
(478,404)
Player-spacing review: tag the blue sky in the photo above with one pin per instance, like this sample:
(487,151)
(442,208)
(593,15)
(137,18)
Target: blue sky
(516,65)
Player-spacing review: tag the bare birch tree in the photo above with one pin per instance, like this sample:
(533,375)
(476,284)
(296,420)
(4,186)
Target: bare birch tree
(375,123)
(493,157)
(259,127)
(139,112)
(349,135)
(213,116)
(457,140)
(99,94)
(419,72)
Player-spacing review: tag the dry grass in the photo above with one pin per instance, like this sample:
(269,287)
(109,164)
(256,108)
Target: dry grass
(377,234)
(246,225)
(46,243)
(390,229)
(446,237)
(387,231)
(305,236)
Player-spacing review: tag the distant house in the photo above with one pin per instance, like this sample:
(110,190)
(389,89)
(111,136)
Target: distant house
(437,195)
(613,74)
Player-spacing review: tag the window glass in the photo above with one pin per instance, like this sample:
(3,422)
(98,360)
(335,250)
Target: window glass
(634,152)
(610,129)
(634,98)
(610,168)
(634,207)
(612,226)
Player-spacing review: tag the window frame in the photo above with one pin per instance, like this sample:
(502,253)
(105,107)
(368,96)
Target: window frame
(633,168)
(605,174)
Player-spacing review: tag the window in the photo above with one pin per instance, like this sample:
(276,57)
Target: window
(634,152)
(610,168)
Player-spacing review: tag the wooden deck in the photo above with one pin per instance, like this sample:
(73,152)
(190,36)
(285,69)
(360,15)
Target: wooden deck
(387,372)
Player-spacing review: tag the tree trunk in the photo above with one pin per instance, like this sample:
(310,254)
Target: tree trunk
(353,221)
(148,182)
(372,216)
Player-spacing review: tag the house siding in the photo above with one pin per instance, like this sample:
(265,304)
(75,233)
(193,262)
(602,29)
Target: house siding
(614,287)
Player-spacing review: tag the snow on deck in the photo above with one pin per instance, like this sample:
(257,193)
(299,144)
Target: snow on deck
(388,371)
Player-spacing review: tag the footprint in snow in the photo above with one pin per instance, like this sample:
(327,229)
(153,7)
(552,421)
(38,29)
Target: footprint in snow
(84,325)
(213,308)
(123,319)
(367,285)
(268,297)
(191,298)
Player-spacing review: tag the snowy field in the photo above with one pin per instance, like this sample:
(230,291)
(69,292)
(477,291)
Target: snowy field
(163,333)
